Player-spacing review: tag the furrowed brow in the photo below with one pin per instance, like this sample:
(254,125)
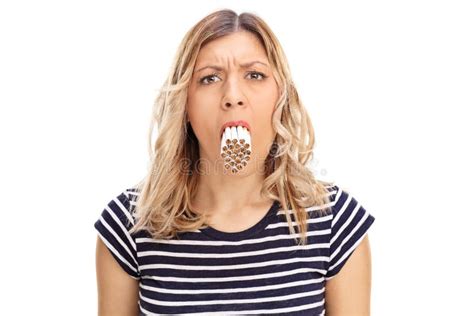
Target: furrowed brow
(244,65)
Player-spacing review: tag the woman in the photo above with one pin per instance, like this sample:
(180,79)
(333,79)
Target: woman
(228,218)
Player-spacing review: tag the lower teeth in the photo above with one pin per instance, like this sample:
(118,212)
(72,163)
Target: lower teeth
(236,148)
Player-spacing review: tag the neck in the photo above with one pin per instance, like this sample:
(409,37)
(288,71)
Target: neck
(218,193)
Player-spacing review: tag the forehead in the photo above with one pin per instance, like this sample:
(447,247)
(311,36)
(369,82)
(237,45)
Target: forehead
(240,46)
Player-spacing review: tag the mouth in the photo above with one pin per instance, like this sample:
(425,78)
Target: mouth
(236,145)
(235,123)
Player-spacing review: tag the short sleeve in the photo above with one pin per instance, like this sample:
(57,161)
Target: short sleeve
(349,225)
(113,227)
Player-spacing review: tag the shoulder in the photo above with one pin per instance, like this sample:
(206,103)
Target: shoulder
(118,214)
(113,227)
(341,198)
(124,205)
(131,195)
(350,222)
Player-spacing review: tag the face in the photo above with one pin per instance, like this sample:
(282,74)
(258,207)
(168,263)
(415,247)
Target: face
(224,89)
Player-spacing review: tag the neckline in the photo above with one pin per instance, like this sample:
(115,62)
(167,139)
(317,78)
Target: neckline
(234,236)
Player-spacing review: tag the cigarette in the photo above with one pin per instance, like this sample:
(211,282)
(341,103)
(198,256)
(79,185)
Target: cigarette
(233,132)
(228,136)
(236,148)
(240,132)
(223,145)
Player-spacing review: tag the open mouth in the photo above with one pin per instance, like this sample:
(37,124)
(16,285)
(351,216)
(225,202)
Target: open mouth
(235,124)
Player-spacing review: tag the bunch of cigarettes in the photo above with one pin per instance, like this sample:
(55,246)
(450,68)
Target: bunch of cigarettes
(236,148)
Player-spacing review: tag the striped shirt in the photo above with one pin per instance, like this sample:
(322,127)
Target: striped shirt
(257,271)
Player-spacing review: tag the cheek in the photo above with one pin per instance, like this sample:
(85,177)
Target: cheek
(267,97)
(201,113)
(265,105)
(201,125)
(264,130)
(200,102)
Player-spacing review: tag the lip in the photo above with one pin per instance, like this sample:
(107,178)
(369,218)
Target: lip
(235,123)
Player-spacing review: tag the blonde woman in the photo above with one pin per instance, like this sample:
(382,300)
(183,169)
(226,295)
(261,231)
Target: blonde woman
(229,220)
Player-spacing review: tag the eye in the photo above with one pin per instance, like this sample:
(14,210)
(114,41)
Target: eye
(204,80)
(258,73)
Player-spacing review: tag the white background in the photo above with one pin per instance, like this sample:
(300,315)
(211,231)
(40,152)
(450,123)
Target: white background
(389,85)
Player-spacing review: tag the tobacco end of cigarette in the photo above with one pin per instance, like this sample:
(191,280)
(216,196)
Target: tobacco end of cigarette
(236,151)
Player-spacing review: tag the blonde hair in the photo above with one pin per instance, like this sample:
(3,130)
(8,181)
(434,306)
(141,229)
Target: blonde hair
(163,205)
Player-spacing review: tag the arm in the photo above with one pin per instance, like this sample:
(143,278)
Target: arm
(348,293)
(117,291)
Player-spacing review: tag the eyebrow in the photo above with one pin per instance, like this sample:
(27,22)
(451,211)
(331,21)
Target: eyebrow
(244,65)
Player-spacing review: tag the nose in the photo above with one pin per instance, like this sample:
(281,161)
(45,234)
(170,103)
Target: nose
(229,104)
(232,95)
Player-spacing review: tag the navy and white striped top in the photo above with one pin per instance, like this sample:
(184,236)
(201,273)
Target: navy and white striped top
(257,271)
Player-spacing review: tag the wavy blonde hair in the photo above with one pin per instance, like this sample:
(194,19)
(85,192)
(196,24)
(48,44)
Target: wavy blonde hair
(163,206)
